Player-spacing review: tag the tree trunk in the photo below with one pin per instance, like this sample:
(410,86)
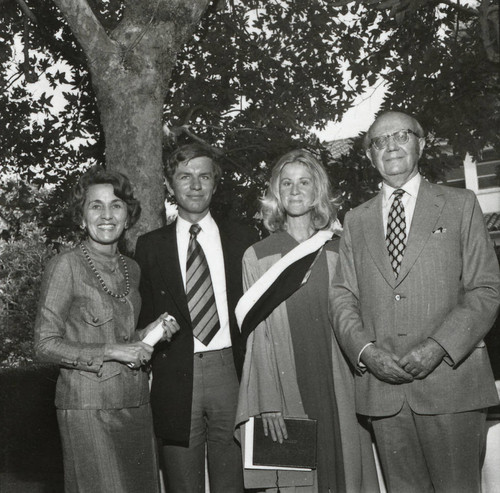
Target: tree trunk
(131,106)
(130,70)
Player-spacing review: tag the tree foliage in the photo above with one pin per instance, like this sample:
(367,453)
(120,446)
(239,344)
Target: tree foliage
(48,114)
(253,80)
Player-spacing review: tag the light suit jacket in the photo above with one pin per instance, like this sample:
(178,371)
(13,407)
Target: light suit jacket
(448,288)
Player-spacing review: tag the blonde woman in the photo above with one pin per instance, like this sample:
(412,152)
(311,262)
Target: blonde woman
(293,365)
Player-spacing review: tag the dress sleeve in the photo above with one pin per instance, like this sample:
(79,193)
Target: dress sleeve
(56,298)
(260,370)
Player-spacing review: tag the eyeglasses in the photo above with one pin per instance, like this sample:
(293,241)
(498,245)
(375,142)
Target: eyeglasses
(400,137)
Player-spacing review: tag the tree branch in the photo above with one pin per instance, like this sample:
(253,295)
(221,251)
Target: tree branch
(85,26)
(29,74)
(45,34)
(488,19)
(12,80)
(106,23)
(341,3)
(459,7)
(218,152)
(400,6)
(198,108)
(26,10)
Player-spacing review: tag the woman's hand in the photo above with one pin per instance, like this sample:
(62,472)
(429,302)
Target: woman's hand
(274,423)
(133,354)
(170,327)
(167,323)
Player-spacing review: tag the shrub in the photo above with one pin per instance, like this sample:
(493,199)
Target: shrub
(23,260)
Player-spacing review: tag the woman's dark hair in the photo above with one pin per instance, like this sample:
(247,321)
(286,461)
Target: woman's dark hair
(122,188)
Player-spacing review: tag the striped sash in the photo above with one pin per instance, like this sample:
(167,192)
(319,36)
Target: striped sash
(279,282)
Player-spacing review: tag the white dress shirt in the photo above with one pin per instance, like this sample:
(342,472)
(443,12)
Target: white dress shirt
(209,240)
(409,200)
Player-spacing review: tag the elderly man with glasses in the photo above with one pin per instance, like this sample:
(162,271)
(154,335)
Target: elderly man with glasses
(418,288)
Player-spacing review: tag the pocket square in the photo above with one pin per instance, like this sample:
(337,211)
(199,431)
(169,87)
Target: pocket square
(439,230)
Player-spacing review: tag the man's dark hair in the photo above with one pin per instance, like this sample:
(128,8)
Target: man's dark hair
(186,153)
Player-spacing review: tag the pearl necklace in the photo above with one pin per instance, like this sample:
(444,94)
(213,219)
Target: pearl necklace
(101,280)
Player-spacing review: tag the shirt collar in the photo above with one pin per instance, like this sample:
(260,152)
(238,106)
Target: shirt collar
(410,187)
(207,224)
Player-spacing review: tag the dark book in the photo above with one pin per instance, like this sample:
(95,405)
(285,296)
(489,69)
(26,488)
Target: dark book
(493,413)
(297,451)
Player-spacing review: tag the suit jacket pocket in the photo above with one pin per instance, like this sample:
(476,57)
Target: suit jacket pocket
(96,316)
(109,370)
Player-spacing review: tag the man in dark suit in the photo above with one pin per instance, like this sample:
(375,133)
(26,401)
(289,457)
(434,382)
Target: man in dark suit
(416,291)
(192,270)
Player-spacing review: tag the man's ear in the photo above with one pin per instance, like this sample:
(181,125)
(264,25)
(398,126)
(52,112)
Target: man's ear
(421,146)
(368,153)
(169,188)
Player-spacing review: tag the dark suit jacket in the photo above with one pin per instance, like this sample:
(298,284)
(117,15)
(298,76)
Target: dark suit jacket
(448,288)
(162,290)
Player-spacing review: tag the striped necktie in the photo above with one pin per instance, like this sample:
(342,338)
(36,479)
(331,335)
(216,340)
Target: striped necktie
(199,291)
(396,231)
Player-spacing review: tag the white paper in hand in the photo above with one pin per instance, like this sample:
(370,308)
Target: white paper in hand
(157,333)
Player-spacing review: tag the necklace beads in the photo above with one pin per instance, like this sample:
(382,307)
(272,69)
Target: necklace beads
(101,280)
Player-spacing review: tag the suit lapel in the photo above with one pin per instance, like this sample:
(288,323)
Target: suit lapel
(373,230)
(428,208)
(167,259)
(227,251)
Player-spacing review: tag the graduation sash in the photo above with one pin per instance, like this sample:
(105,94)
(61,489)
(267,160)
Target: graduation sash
(279,282)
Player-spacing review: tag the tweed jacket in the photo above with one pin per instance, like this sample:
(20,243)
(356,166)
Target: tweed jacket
(448,289)
(162,290)
(75,320)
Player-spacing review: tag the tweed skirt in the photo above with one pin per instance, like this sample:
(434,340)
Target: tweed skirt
(109,450)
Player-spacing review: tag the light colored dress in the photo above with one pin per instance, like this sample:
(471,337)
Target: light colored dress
(293,364)
(102,407)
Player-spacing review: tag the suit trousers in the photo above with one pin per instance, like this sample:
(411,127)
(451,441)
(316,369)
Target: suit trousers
(215,396)
(422,453)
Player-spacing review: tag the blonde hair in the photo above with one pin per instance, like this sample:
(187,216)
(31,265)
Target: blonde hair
(325,204)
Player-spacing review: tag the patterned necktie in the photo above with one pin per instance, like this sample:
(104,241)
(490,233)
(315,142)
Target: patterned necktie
(396,231)
(199,291)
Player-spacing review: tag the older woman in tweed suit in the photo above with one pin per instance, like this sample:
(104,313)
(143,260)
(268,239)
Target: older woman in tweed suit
(86,321)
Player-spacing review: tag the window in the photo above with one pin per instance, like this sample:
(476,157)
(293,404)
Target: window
(488,174)
(454,178)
